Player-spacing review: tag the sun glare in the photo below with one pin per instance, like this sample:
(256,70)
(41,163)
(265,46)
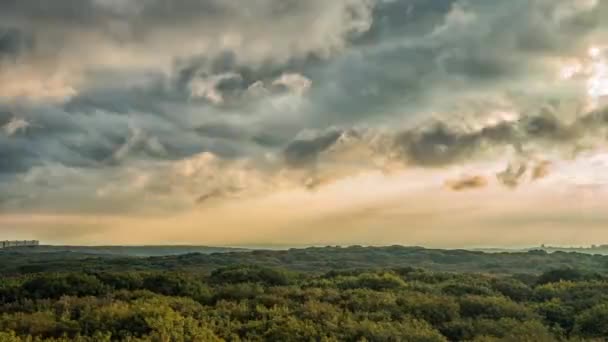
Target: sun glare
(593,69)
(597,85)
(594,52)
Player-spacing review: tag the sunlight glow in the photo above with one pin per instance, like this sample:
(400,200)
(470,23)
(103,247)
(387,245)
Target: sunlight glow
(569,71)
(594,69)
(595,52)
(597,85)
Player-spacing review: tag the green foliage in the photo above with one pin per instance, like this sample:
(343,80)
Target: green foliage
(503,329)
(57,285)
(251,274)
(122,280)
(373,281)
(258,303)
(492,308)
(512,288)
(593,322)
(409,330)
(460,287)
(435,309)
(508,329)
(557,314)
(566,274)
(177,284)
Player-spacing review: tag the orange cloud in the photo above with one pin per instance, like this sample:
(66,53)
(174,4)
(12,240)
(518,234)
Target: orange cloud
(541,170)
(467,183)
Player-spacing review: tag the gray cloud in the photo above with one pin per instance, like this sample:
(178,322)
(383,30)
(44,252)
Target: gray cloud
(13,43)
(155,32)
(305,151)
(439,144)
(512,175)
(417,52)
(106,85)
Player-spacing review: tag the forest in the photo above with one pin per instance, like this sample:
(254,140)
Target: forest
(455,299)
(312,259)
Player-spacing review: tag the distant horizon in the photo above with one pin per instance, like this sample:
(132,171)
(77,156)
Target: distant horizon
(302,246)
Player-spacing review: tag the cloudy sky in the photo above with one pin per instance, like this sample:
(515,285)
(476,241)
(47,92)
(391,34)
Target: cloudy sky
(451,123)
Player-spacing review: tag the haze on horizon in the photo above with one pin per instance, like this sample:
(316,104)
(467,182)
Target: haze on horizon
(227,122)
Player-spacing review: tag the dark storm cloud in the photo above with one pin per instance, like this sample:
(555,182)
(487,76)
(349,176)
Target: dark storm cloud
(439,144)
(161,81)
(13,42)
(153,92)
(168,108)
(15,158)
(191,27)
(417,52)
(406,17)
(148,96)
(98,12)
(84,140)
(222,130)
(303,152)
(93,136)
(374,78)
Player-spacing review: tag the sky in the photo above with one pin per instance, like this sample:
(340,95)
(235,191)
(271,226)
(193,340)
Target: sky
(443,123)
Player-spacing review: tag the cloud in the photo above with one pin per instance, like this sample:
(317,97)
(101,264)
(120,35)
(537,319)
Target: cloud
(293,82)
(15,125)
(516,173)
(210,196)
(512,175)
(12,43)
(305,151)
(209,88)
(541,170)
(441,144)
(467,183)
(140,107)
(138,141)
(377,60)
(79,37)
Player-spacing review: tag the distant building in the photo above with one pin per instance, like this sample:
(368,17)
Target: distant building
(22,243)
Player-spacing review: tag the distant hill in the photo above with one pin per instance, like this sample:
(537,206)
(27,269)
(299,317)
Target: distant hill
(133,251)
(601,249)
(314,259)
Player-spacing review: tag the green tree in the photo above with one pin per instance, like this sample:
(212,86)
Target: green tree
(593,323)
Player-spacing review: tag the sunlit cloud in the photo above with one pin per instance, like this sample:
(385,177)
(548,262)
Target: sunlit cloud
(233,122)
(15,125)
(597,86)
